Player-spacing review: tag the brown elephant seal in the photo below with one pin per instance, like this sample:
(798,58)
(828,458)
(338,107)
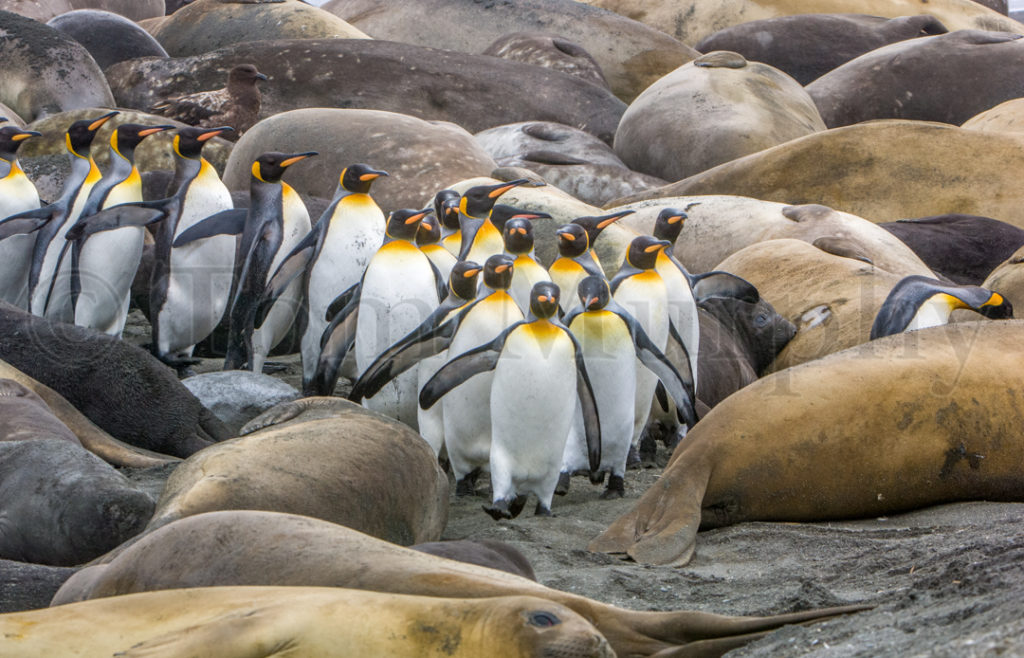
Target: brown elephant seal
(62,505)
(488,553)
(881,170)
(110,38)
(123,389)
(1008,280)
(631,55)
(549,51)
(903,422)
(714,109)
(24,416)
(947,78)
(135,10)
(807,46)
(45,71)
(262,548)
(1008,116)
(206,25)
(354,467)
(306,621)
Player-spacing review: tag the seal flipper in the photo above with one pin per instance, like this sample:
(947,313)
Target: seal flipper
(225,222)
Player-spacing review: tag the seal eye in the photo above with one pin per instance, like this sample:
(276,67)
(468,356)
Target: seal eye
(761,320)
(543,619)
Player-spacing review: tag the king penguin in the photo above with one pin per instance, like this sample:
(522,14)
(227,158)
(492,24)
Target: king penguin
(596,225)
(17,194)
(518,236)
(682,307)
(611,341)
(479,237)
(917,302)
(446,210)
(103,265)
(574,262)
(428,239)
(49,276)
(538,376)
(332,256)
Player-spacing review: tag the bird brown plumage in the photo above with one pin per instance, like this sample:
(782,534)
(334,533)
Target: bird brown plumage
(236,105)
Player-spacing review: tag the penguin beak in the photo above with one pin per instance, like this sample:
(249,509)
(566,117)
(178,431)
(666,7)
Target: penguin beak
(469,274)
(543,299)
(657,246)
(372,175)
(531,215)
(608,220)
(417,217)
(297,158)
(501,268)
(565,235)
(154,130)
(589,301)
(25,135)
(498,191)
(675,219)
(95,125)
(213,132)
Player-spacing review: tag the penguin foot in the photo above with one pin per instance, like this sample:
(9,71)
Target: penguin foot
(467,485)
(498,510)
(596,478)
(270,367)
(517,505)
(648,446)
(616,488)
(562,487)
(542,510)
(633,459)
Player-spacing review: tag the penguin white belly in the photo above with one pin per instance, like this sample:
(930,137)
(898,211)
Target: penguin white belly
(533,399)
(645,297)
(441,258)
(567,274)
(282,314)
(347,250)
(486,243)
(17,194)
(526,272)
(56,271)
(431,421)
(107,266)
(398,293)
(932,313)
(682,309)
(200,273)
(466,408)
(609,356)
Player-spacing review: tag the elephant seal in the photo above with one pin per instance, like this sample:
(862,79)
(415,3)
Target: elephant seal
(45,71)
(718,226)
(880,170)
(110,38)
(1008,116)
(354,467)
(40,10)
(717,108)
(631,55)
(62,505)
(121,388)
(261,548)
(134,10)
(24,416)
(914,79)
(553,52)
(307,621)
(29,586)
(488,553)
(207,25)
(692,20)
(903,422)
(807,46)
(962,248)
(473,91)
(1007,279)
(420,157)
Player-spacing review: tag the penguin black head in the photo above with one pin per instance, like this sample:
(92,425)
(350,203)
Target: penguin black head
(593,292)
(446,208)
(572,241)
(462,281)
(498,271)
(544,299)
(643,251)
(189,141)
(403,224)
(518,236)
(11,138)
(478,201)
(594,225)
(358,178)
(914,294)
(244,75)
(669,224)
(501,213)
(270,167)
(429,231)
(127,136)
(80,134)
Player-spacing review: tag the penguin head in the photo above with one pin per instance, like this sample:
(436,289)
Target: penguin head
(429,231)
(189,141)
(643,251)
(358,178)
(501,213)
(518,235)
(462,281)
(572,241)
(446,208)
(594,225)
(593,292)
(996,307)
(270,167)
(127,136)
(403,224)
(914,293)
(669,224)
(80,134)
(478,201)
(544,299)
(11,138)
(244,75)
(498,271)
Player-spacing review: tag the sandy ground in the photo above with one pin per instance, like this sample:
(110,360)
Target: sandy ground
(946,581)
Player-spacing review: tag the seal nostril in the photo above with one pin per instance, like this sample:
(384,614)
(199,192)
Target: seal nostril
(542,619)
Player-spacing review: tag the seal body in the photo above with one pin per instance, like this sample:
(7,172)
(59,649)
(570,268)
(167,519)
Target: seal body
(25,416)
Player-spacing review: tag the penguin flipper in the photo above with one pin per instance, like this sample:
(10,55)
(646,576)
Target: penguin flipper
(722,284)
(291,267)
(340,302)
(112,218)
(679,386)
(25,222)
(335,343)
(475,361)
(588,405)
(225,222)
